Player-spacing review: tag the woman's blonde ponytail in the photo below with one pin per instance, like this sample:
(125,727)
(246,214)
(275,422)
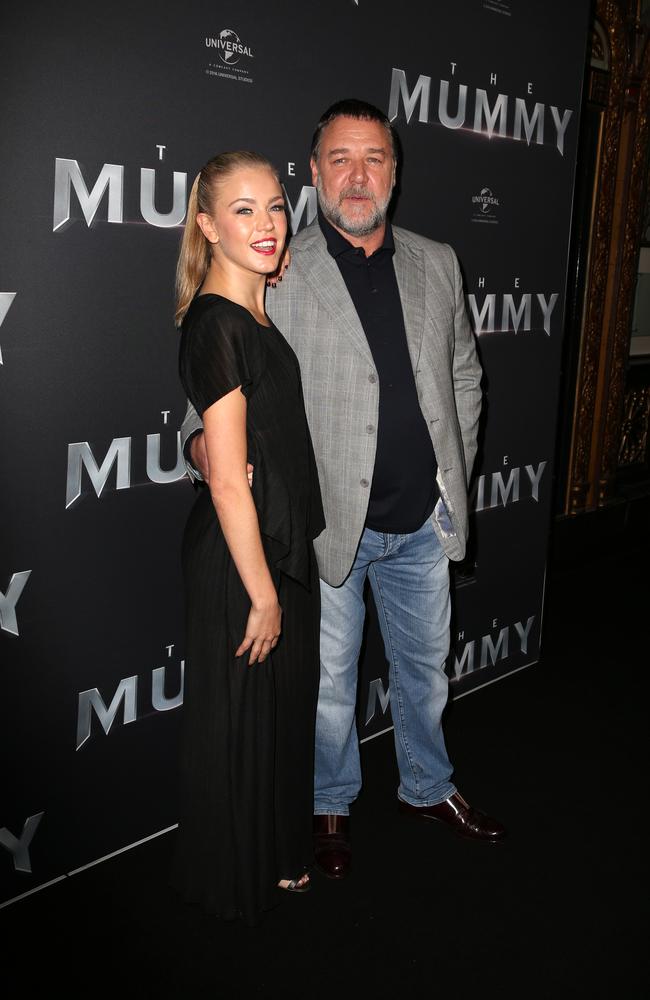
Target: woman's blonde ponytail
(194,258)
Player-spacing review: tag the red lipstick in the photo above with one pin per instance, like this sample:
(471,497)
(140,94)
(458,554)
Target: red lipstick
(267,246)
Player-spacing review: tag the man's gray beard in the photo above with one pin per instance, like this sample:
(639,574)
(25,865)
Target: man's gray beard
(333,212)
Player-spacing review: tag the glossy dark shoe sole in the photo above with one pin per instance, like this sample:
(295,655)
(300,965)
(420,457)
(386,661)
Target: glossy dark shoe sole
(335,876)
(452,830)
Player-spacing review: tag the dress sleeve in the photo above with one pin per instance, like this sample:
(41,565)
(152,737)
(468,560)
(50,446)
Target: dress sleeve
(219,351)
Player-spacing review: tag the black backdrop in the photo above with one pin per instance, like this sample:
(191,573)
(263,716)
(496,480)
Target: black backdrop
(108,115)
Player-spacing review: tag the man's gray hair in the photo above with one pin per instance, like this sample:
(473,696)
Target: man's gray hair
(352,108)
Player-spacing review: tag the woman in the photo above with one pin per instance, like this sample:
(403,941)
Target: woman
(250,573)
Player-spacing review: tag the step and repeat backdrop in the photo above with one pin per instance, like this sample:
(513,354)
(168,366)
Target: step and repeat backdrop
(106,121)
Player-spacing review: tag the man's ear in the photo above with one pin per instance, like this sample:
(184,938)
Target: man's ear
(206,224)
(314,171)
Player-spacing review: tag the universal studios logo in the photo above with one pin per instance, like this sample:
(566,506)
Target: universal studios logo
(229,46)
(485,205)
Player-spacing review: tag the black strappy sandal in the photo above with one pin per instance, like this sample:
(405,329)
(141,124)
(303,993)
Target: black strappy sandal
(293,884)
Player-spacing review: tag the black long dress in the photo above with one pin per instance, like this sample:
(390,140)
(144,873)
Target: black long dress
(247,748)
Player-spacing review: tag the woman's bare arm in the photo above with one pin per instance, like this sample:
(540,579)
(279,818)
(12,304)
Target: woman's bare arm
(225,439)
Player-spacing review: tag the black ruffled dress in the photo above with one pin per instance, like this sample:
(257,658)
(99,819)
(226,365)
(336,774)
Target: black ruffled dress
(248,732)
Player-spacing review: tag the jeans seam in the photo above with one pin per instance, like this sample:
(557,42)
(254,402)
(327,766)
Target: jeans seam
(382,611)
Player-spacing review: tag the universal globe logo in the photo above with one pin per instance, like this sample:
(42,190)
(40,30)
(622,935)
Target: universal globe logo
(229,46)
(485,201)
(484,205)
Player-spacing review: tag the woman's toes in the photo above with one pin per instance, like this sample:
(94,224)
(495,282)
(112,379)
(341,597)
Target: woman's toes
(286,883)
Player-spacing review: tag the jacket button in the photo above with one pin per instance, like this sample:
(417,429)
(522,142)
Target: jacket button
(372,377)
(370,429)
(364,482)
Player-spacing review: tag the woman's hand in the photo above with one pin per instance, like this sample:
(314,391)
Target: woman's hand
(278,274)
(262,631)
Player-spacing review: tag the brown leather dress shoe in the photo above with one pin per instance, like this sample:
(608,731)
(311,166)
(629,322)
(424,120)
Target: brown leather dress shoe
(460,817)
(332,851)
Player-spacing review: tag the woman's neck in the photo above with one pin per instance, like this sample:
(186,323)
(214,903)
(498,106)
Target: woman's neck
(242,287)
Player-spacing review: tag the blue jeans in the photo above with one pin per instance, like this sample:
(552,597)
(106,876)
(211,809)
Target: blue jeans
(409,577)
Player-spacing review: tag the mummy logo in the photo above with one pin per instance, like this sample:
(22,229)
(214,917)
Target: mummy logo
(306,205)
(103,199)
(499,115)
(485,205)
(229,46)
(378,698)
(8,601)
(119,456)
(68,176)
(6,300)
(125,698)
(495,646)
(523,312)
(18,847)
(498,489)
(489,649)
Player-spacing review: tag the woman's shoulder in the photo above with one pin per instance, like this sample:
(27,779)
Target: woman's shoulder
(212,308)
(213,322)
(217,332)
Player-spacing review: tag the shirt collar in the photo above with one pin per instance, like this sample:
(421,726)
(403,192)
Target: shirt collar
(337,244)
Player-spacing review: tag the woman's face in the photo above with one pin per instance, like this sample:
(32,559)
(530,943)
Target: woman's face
(249,225)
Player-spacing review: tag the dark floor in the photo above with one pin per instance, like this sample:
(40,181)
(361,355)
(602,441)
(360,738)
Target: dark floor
(555,751)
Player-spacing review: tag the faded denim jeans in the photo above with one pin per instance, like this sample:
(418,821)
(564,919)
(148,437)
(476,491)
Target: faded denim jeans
(409,577)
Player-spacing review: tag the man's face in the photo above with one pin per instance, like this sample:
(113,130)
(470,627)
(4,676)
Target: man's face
(354,175)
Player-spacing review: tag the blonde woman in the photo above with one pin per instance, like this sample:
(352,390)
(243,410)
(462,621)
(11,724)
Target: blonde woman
(251,578)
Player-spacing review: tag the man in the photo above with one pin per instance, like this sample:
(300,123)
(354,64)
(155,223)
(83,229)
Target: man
(391,380)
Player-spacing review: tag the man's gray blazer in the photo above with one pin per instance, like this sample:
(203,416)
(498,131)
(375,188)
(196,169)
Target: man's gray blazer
(314,311)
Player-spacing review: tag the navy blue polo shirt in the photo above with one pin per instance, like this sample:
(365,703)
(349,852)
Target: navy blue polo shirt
(404,490)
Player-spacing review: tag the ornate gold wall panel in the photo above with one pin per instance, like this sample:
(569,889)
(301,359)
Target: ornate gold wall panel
(609,291)
(637,91)
(596,286)
(634,432)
